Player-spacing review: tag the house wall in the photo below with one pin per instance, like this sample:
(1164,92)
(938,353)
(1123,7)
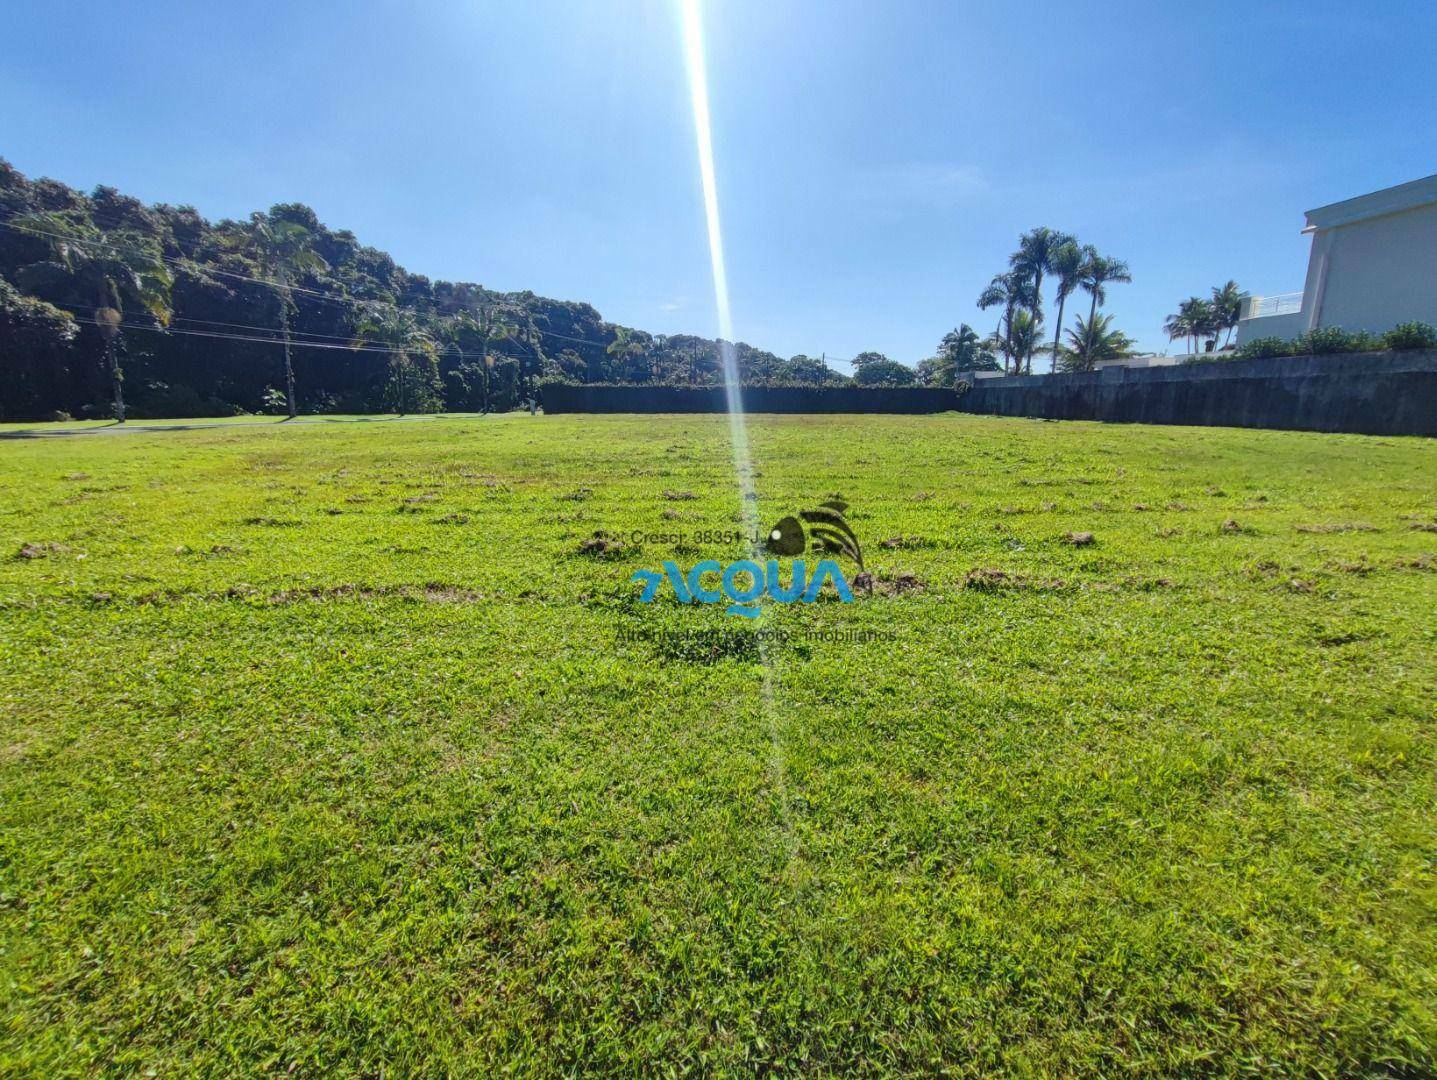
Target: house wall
(1372,274)
(1278,326)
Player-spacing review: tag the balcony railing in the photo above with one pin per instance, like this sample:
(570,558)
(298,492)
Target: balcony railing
(1257,307)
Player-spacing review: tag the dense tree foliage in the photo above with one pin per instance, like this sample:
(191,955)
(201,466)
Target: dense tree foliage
(103,297)
(875,369)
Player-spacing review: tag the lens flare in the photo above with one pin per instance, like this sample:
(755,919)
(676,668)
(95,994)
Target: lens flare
(703,133)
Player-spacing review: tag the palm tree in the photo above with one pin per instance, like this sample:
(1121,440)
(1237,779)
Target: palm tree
(1194,319)
(1227,306)
(962,349)
(1024,332)
(1090,342)
(493,325)
(1036,250)
(282,248)
(125,267)
(1069,263)
(1013,290)
(1098,273)
(628,350)
(399,330)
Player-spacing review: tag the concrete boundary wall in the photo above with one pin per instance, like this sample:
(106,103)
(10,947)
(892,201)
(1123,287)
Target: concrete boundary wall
(1392,393)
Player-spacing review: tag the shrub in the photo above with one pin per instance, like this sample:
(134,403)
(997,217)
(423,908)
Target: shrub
(153,399)
(1411,335)
(1323,341)
(1264,347)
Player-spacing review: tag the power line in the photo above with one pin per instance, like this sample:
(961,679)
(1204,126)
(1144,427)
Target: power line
(207,269)
(256,340)
(191,261)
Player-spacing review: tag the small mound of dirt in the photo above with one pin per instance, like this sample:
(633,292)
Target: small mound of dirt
(1232,527)
(679,496)
(907,583)
(1079,539)
(1337,527)
(42,550)
(1424,526)
(904,543)
(602,545)
(1362,566)
(991,579)
(1418,562)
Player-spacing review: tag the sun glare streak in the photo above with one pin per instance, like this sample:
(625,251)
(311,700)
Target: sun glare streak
(738,428)
(703,134)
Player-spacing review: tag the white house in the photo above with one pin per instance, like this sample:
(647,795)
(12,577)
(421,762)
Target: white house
(1373,265)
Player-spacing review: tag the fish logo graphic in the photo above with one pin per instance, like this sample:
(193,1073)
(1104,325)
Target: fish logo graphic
(827,528)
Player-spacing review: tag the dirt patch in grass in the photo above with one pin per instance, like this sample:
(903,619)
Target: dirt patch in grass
(888,584)
(1337,527)
(604,545)
(908,543)
(41,550)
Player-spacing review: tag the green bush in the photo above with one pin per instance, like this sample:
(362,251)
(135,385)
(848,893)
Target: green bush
(1262,348)
(1323,341)
(1411,335)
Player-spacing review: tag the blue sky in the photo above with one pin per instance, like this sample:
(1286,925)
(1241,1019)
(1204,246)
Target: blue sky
(876,161)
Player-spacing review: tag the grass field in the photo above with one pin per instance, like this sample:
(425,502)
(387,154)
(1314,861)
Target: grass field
(325,748)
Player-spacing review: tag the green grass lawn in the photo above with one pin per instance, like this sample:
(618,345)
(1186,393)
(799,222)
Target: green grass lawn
(325,748)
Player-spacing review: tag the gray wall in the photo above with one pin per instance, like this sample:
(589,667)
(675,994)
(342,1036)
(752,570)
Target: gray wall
(1392,393)
(1375,273)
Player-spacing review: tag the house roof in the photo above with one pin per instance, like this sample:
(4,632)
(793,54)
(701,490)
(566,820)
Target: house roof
(1391,200)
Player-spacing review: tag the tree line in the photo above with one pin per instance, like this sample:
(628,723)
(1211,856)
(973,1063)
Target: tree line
(109,305)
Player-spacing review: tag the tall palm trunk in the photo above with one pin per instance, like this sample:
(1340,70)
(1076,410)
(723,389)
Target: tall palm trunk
(117,384)
(1008,356)
(288,362)
(1058,330)
(1093,308)
(1037,314)
(484,359)
(284,334)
